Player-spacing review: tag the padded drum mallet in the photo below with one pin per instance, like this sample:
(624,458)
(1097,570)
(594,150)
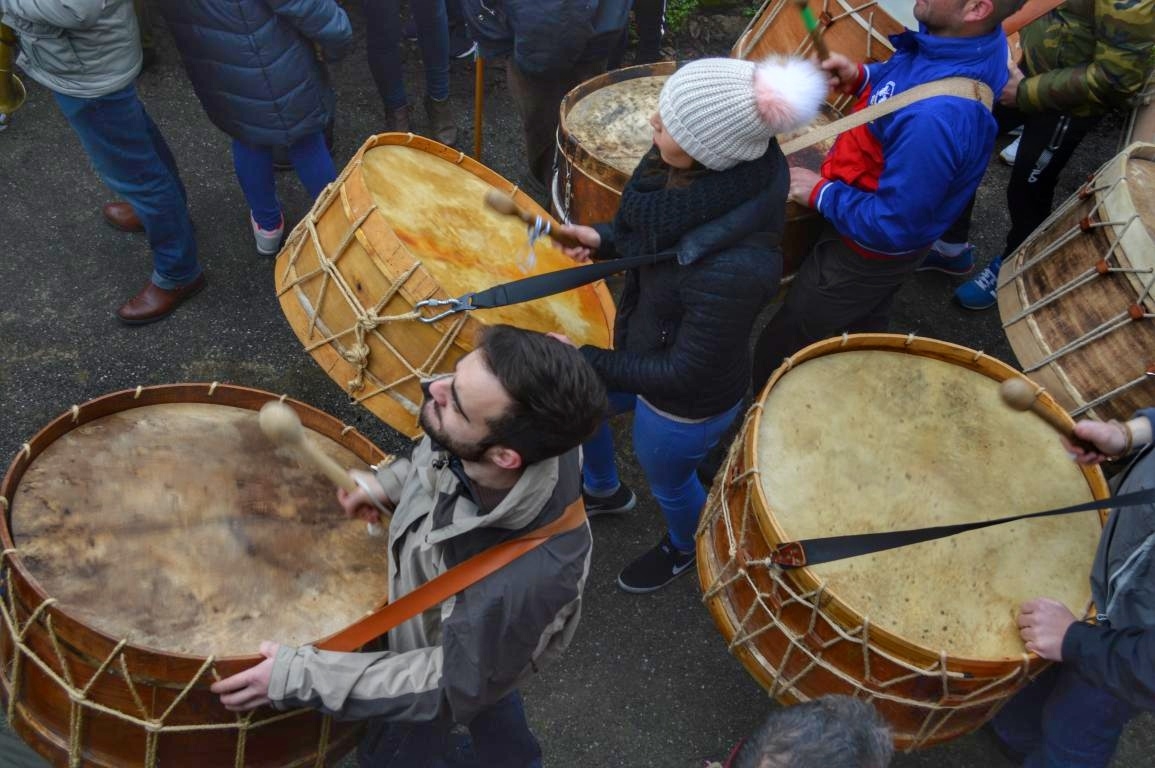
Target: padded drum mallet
(281,424)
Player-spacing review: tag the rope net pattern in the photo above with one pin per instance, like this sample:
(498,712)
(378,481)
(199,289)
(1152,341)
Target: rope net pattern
(380,368)
(16,652)
(787,637)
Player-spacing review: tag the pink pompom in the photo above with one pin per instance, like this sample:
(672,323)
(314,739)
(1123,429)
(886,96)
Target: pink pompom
(788,92)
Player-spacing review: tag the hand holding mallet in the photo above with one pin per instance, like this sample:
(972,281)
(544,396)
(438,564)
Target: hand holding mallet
(1022,395)
(280,424)
(507,206)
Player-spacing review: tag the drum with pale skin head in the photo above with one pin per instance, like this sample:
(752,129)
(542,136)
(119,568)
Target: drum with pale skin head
(876,432)
(1077,299)
(153,539)
(406,221)
(604,131)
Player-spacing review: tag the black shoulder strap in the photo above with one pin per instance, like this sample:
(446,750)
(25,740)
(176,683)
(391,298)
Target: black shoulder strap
(796,554)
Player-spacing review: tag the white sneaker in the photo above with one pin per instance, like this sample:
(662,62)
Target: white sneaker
(1010,151)
(268,240)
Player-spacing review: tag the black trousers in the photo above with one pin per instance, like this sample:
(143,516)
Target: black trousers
(1049,139)
(835,291)
(649,19)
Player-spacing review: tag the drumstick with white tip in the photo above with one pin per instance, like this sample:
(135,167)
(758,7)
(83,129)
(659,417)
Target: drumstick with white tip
(1022,395)
(281,424)
(506,205)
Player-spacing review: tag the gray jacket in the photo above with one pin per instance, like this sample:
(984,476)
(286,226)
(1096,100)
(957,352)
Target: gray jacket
(1118,653)
(82,48)
(458,658)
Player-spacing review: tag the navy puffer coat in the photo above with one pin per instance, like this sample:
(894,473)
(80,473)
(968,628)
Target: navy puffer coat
(253,66)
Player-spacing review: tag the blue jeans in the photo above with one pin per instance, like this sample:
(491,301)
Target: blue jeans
(499,737)
(132,158)
(383,44)
(254,166)
(669,452)
(1062,721)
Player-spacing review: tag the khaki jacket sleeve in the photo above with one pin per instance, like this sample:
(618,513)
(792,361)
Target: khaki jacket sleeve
(354,686)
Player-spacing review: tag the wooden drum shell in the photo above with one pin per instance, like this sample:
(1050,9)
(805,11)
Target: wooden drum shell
(1085,333)
(41,711)
(800,640)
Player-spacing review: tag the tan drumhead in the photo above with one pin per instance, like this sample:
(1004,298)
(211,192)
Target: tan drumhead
(613,123)
(182,528)
(436,209)
(863,441)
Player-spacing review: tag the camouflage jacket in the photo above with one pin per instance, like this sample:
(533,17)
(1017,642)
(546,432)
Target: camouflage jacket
(1087,56)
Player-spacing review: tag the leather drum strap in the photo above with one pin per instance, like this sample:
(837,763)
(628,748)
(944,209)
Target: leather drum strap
(451,582)
(962,87)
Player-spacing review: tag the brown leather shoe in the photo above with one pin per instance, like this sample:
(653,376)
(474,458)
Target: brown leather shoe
(121,216)
(154,303)
(442,121)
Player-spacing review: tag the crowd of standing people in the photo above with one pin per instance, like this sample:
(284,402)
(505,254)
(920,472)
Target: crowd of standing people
(518,433)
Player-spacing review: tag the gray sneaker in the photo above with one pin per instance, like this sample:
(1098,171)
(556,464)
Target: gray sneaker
(268,240)
(621,500)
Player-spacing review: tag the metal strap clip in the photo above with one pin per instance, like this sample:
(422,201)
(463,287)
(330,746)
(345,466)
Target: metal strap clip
(463,303)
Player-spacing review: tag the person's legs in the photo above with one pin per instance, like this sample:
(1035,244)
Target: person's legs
(835,291)
(669,452)
(649,18)
(501,735)
(1061,721)
(599,470)
(433,39)
(313,163)
(119,138)
(254,167)
(383,50)
(1048,141)
(405,745)
(537,100)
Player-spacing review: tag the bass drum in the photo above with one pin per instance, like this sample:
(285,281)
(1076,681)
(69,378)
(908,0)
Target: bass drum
(877,432)
(1076,299)
(153,538)
(406,221)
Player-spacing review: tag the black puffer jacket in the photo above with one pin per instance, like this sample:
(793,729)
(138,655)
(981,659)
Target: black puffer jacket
(682,335)
(546,37)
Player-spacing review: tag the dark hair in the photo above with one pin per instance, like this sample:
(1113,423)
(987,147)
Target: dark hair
(1003,9)
(828,732)
(558,398)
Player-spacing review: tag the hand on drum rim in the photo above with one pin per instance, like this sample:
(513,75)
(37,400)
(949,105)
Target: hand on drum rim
(1043,623)
(249,689)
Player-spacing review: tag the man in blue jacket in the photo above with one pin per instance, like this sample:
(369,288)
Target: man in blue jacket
(890,188)
(87,52)
(551,45)
(1075,711)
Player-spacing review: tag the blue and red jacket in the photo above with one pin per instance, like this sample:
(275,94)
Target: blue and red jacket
(893,186)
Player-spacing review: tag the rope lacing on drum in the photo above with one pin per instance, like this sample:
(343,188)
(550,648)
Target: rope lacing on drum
(78,696)
(816,641)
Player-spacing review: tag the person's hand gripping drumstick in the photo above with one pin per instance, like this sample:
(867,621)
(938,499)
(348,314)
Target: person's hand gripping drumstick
(280,424)
(1022,395)
(507,206)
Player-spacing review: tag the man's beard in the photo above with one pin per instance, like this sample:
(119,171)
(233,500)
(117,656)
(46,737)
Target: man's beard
(464,451)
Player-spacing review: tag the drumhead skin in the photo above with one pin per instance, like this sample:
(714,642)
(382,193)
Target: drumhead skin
(184,528)
(866,441)
(613,122)
(1075,298)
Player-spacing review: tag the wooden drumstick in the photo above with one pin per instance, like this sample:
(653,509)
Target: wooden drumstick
(811,25)
(1022,395)
(506,205)
(280,424)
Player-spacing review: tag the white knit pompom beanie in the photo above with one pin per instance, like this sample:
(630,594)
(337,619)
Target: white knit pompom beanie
(723,111)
